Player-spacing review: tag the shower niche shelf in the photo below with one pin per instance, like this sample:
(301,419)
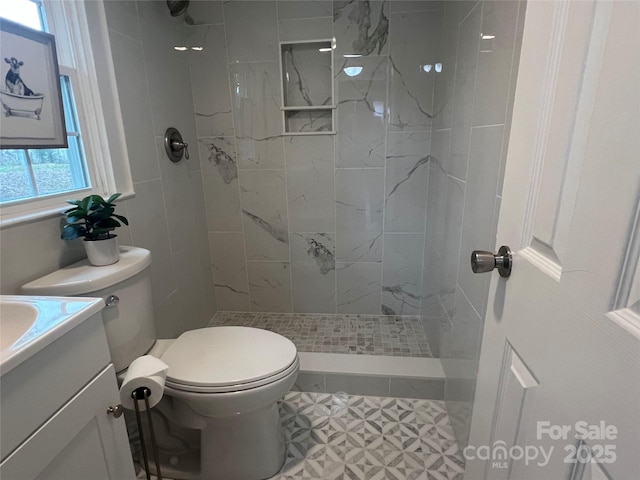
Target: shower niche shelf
(307,87)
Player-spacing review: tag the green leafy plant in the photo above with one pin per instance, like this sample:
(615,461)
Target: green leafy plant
(92,218)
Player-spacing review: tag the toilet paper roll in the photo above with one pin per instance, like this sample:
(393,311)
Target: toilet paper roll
(146,371)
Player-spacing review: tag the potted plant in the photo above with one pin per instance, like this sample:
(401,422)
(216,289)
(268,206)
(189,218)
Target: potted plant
(94,219)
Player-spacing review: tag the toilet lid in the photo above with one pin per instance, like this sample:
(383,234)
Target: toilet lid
(227,356)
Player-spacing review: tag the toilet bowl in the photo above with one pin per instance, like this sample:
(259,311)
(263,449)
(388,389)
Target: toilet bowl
(259,367)
(223,381)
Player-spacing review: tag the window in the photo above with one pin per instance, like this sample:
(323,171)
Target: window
(26,174)
(35,183)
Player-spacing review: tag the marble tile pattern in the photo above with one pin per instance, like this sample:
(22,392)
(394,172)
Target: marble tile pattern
(359,214)
(413,55)
(220,182)
(361,111)
(396,336)
(310,183)
(212,106)
(464,92)
(345,191)
(260,41)
(407,168)
(313,271)
(309,121)
(307,74)
(295,29)
(361,28)
(229,270)
(256,103)
(264,214)
(356,437)
(269,286)
(402,273)
(358,287)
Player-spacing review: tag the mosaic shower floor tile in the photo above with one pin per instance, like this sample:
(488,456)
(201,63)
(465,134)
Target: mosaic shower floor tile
(398,336)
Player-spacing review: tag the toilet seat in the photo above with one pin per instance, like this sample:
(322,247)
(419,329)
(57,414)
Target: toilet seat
(228,359)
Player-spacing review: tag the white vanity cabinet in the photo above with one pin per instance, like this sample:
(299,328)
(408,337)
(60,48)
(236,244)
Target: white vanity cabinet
(55,423)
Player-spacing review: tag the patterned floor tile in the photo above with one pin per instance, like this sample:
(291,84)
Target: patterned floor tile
(340,437)
(356,437)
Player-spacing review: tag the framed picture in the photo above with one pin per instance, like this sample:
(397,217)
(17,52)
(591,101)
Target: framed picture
(31,114)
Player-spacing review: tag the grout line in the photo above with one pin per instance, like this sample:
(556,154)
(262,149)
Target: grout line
(384,181)
(424,234)
(261,169)
(284,167)
(360,168)
(335,92)
(252,62)
(474,127)
(463,182)
(407,132)
(270,261)
(303,18)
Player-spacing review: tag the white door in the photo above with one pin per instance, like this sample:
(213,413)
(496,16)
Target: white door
(561,346)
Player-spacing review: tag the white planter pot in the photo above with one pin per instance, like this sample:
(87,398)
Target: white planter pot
(102,252)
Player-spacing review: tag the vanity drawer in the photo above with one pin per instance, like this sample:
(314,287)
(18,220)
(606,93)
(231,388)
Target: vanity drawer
(33,391)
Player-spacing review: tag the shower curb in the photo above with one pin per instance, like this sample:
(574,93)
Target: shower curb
(376,375)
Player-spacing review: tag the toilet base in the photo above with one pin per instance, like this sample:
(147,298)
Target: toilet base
(250,446)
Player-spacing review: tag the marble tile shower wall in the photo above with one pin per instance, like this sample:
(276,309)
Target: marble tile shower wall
(480,45)
(325,223)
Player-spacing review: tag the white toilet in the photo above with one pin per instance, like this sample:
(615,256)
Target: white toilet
(224,382)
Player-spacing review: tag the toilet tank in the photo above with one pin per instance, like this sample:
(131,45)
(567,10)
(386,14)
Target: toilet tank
(126,288)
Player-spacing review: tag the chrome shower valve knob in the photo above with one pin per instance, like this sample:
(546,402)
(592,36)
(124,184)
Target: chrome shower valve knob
(174,146)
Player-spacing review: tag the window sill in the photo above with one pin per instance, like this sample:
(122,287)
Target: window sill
(22,218)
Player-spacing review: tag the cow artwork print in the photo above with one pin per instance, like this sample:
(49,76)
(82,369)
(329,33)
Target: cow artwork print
(13,81)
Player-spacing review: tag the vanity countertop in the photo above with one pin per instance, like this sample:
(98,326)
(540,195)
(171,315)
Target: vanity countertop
(30,323)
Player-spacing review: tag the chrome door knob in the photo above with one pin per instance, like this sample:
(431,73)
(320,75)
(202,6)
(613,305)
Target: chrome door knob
(482,261)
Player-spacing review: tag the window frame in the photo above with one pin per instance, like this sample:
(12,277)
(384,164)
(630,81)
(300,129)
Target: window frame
(82,43)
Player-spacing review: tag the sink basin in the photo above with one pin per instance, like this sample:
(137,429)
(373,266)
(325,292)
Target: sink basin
(16,319)
(30,323)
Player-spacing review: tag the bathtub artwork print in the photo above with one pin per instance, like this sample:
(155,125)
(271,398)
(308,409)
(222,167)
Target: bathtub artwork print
(31,114)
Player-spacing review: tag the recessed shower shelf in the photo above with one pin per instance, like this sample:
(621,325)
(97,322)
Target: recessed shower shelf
(307,87)
(308,122)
